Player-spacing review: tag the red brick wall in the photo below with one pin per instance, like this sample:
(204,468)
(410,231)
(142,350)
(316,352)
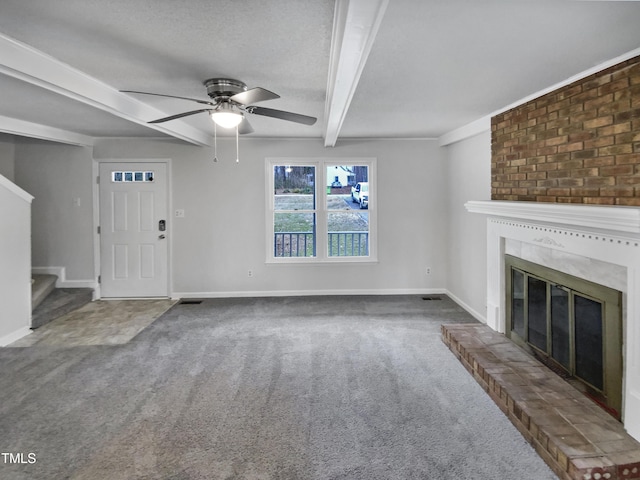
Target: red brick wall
(577,144)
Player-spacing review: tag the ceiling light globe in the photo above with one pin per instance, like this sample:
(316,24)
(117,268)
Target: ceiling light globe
(226,119)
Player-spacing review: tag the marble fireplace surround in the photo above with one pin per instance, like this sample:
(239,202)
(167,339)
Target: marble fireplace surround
(597,243)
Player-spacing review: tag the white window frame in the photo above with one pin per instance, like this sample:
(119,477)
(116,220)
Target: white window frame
(321,237)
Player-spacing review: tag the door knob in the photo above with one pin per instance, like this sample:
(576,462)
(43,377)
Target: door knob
(161,237)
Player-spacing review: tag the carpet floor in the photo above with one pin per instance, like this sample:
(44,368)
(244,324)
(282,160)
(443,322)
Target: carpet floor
(319,388)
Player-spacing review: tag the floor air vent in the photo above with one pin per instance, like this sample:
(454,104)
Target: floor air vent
(190,302)
(432,297)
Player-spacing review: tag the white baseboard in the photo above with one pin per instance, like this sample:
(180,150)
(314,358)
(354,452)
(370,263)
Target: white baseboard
(301,293)
(474,313)
(14,336)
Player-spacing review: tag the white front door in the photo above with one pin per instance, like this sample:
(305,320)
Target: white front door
(133,229)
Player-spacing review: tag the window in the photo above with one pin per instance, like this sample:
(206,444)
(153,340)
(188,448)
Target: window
(120,176)
(320,210)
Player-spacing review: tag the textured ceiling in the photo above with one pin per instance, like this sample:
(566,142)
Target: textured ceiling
(434,66)
(438,65)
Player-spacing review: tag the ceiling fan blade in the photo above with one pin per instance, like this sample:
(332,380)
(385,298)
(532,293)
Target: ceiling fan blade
(180,115)
(254,95)
(291,117)
(205,102)
(245,127)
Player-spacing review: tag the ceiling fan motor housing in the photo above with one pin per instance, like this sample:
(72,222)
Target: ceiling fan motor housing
(224,87)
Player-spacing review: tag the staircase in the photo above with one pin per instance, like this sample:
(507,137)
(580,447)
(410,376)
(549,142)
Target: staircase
(41,286)
(49,302)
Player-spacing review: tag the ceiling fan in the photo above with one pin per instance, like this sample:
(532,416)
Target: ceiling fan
(230,100)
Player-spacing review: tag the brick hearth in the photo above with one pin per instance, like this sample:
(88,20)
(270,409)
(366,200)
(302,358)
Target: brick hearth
(575,437)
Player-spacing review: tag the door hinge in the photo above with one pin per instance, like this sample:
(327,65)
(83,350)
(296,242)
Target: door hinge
(98,229)
(99,279)
(98,179)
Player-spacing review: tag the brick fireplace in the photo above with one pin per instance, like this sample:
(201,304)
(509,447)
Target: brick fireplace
(596,243)
(565,178)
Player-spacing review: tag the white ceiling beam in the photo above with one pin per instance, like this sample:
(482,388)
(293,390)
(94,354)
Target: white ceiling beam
(355,26)
(25,63)
(466,131)
(23,128)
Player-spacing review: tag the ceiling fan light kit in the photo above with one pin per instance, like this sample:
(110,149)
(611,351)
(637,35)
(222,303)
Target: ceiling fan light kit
(226,118)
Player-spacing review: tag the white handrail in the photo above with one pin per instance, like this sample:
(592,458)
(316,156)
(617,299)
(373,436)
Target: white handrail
(13,188)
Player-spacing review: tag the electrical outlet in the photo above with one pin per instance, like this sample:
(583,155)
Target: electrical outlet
(250,273)
(428,270)
(179,213)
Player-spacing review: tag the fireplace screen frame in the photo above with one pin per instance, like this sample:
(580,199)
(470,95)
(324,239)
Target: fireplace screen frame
(610,393)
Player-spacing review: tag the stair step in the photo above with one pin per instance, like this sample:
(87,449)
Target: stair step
(60,302)
(41,286)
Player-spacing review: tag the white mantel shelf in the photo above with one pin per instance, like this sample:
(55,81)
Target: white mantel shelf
(612,218)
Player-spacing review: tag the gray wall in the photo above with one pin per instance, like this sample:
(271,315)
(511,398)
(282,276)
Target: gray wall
(222,235)
(62,232)
(468,177)
(7,157)
(422,222)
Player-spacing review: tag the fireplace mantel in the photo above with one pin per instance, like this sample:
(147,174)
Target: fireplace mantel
(611,218)
(583,240)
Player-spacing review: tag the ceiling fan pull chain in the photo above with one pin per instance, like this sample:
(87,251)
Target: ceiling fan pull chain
(237,146)
(215,143)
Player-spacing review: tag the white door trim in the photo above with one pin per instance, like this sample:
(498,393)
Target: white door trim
(96,216)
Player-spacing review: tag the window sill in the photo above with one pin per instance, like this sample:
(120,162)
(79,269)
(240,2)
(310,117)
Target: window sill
(321,261)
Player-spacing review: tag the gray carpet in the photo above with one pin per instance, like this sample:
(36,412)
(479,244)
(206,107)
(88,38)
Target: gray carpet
(260,389)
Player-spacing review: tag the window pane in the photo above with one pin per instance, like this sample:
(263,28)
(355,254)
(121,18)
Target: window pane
(517,302)
(348,234)
(347,217)
(588,326)
(294,234)
(294,187)
(537,313)
(560,334)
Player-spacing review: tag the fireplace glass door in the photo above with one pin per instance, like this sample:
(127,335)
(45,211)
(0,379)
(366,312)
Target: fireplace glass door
(588,338)
(560,326)
(572,325)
